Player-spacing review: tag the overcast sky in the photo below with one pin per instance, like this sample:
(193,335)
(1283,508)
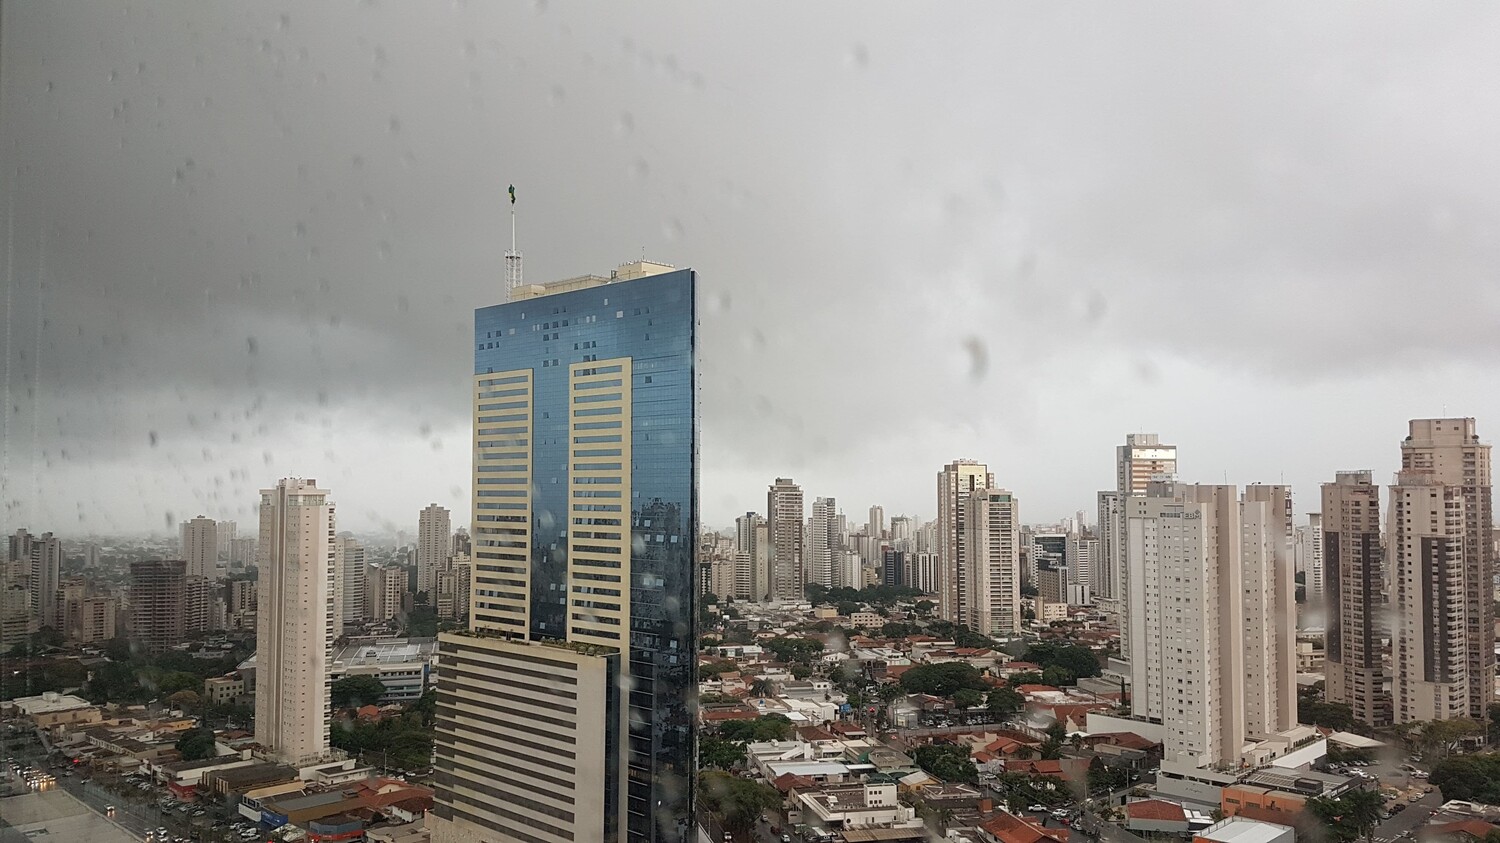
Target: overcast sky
(245,241)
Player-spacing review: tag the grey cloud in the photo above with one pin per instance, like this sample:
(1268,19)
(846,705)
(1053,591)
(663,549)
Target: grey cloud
(1121,208)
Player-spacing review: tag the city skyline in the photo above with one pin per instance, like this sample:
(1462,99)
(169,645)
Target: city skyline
(301,330)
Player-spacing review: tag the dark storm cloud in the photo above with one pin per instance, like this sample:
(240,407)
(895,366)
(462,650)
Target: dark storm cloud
(258,232)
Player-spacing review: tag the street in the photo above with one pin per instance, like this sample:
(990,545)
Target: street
(1415,815)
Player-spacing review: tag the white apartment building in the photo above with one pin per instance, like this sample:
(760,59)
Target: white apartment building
(1205,610)
(992,561)
(1309,556)
(199,539)
(434,539)
(384,587)
(955,483)
(823,546)
(349,559)
(295,632)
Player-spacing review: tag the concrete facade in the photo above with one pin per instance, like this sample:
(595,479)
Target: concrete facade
(295,616)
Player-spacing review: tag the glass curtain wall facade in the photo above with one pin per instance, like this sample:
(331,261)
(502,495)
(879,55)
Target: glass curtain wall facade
(585,506)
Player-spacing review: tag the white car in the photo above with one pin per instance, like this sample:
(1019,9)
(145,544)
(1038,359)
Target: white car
(1036,807)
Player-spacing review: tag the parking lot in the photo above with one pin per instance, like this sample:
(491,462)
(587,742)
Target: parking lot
(55,816)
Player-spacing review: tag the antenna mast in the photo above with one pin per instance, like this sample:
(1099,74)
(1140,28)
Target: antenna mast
(512,257)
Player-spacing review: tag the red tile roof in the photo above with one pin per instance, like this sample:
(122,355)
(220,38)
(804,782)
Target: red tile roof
(1155,809)
(788,781)
(1034,689)
(1009,828)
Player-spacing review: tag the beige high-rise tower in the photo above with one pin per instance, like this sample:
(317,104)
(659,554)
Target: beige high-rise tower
(295,617)
(1443,565)
(200,546)
(434,542)
(1211,617)
(1352,586)
(784,522)
(955,483)
(1142,458)
(992,562)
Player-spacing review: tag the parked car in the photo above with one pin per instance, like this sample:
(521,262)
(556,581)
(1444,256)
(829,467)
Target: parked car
(1036,808)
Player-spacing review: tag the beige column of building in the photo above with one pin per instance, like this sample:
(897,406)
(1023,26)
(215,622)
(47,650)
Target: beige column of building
(294,634)
(993,559)
(955,483)
(1187,621)
(784,521)
(199,538)
(1141,459)
(1352,585)
(1270,610)
(434,540)
(1443,567)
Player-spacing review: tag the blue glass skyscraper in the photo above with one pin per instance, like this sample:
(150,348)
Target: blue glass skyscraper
(564,713)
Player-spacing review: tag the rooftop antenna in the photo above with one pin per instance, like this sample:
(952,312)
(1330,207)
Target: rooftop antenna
(512,257)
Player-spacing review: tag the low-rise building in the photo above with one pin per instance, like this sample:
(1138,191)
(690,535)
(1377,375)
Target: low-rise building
(51,709)
(856,805)
(222,690)
(403,665)
(1244,830)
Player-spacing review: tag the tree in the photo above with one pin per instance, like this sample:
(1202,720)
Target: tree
(794,650)
(715,668)
(847,608)
(762,687)
(178,680)
(924,607)
(772,727)
(195,744)
(1494,728)
(942,680)
(186,699)
(1472,778)
(1005,703)
(800,671)
(1348,817)
(1076,659)
(947,761)
(356,691)
(968,698)
(1052,746)
(1025,677)
(1058,676)
(737,802)
(719,753)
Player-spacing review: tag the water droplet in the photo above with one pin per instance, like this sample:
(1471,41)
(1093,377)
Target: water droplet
(979,357)
(152,438)
(301,229)
(539,6)
(113,76)
(395,125)
(424,429)
(671,229)
(171,520)
(284,22)
(140,68)
(403,304)
(1096,307)
(626,124)
(251,345)
(49,86)
(859,56)
(639,169)
(558,94)
(470,50)
(383,250)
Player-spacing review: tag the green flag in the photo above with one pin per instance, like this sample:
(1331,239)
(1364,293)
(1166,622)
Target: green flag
(512,194)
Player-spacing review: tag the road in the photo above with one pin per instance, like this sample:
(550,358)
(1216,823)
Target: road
(1415,815)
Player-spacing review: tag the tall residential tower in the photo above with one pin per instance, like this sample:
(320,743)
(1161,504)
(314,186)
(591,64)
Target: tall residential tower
(294,622)
(1442,558)
(1353,585)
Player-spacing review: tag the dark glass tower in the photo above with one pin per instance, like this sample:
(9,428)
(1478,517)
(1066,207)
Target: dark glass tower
(585,512)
